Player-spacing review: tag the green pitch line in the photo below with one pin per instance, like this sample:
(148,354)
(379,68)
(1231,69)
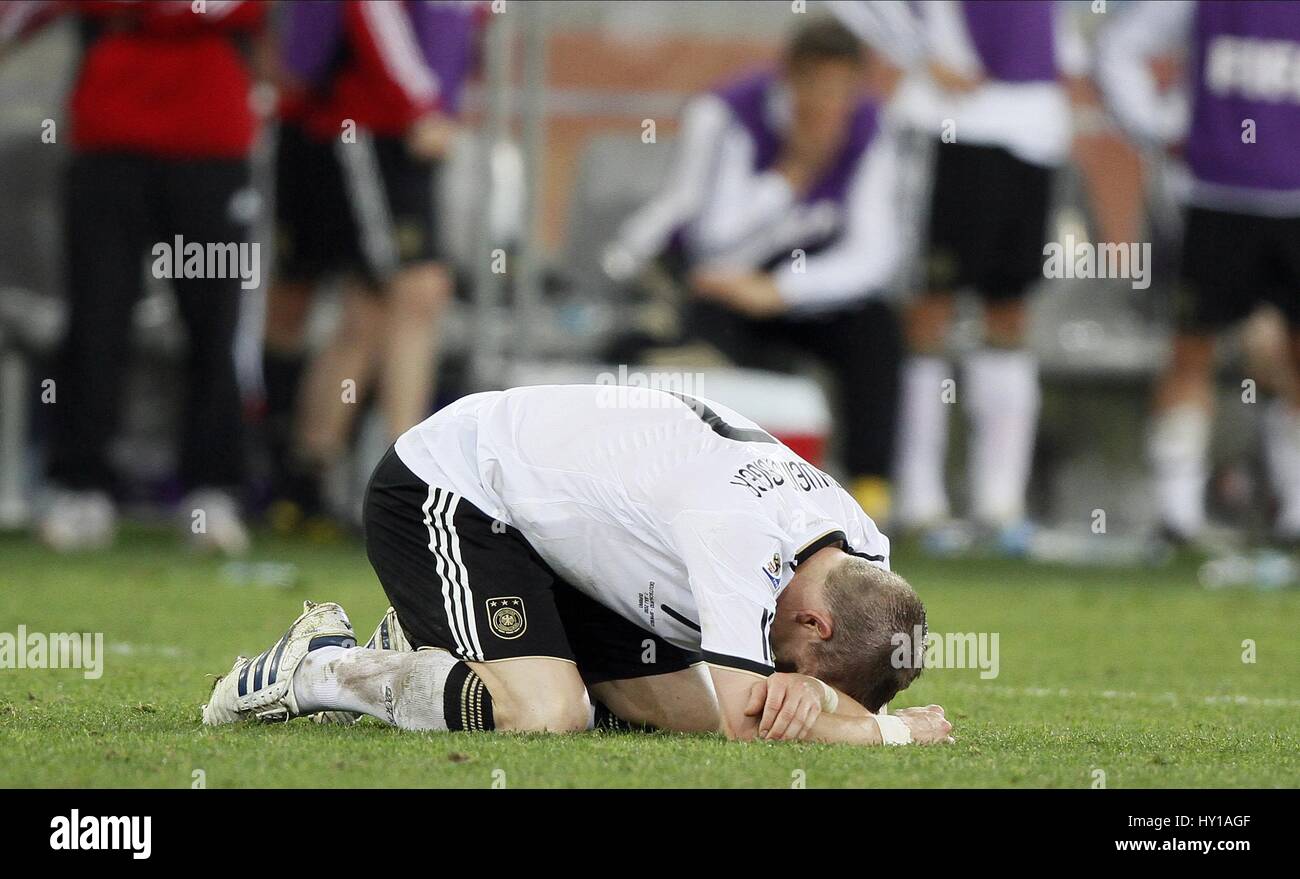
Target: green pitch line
(1136,674)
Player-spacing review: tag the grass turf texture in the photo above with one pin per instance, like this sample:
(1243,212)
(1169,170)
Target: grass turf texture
(1138,673)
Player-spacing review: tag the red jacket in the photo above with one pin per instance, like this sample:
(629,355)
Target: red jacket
(355,60)
(159,78)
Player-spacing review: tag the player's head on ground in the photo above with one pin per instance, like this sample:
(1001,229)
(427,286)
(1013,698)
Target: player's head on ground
(842,619)
(823,67)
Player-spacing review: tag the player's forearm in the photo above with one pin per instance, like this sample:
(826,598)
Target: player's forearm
(829,728)
(845,729)
(843,704)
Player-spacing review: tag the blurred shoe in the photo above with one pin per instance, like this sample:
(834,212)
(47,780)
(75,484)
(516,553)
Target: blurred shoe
(284,517)
(957,538)
(873,495)
(75,521)
(324,530)
(1286,530)
(949,539)
(1210,542)
(917,516)
(212,522)
(1014,540)
(287,518)
(1081,547)
(1264,570)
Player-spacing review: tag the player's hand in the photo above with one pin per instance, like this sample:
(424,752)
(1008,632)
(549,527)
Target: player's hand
(753,294)
(789,704)
(927,725)
(430,136)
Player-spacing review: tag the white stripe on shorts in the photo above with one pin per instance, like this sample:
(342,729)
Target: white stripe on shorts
(470,621)
(457,599)
(359,163)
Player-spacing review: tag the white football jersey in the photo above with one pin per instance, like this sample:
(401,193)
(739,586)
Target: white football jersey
(676,512)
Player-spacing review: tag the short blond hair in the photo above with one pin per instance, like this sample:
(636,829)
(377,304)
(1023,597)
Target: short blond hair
(870,609)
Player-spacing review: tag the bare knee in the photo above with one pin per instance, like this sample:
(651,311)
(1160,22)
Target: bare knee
(552,715)
(287,305)
(926,323)
(361,323)
(1005,323)
(421,293)
(536,695)
(1187,378)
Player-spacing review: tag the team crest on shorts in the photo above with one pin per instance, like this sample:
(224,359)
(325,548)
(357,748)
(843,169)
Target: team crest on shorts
(507,616)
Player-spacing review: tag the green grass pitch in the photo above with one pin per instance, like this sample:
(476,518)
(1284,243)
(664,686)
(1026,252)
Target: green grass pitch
(1137,674)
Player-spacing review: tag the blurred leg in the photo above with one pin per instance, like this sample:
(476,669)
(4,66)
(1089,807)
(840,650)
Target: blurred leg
(738,338)
(1002,394)
(1295,367)
(288,304)
(1002,398)
(107,229)
(337,378)
(201,198)
(1180,434)
(862,348)
(390,196)
(418,296)
(1282,432)
(1005,323)
(923,415)
(1224,269)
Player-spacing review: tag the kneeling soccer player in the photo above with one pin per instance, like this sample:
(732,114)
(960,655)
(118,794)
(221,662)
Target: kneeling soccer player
(659,554)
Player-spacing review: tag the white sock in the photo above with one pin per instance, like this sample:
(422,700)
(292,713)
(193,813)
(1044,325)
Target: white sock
(1002,400)
(401,689)
(922,442)
(1282,454)
(1178,447)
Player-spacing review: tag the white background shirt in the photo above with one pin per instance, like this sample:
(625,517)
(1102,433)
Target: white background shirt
(736,218)
(1030,120)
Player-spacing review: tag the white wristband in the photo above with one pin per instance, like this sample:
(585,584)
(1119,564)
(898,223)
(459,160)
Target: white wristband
(893,730)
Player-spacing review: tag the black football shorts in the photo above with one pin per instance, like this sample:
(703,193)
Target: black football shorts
(364,207)
(988,221)
(1231,264)
(474,586)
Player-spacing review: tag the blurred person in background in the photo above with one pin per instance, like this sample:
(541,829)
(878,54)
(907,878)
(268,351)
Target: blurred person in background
(987,89)
(371,94)
(161,133)
(1241,248)
(780,205)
